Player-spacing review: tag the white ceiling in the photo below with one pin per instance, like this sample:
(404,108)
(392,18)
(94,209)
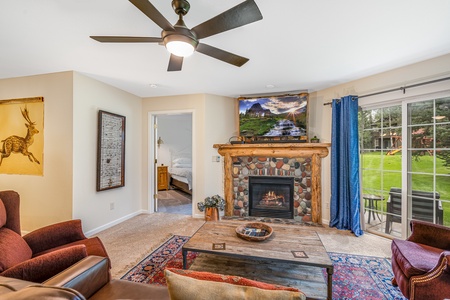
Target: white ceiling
(299,44)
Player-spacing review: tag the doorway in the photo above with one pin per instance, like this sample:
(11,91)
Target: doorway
(173,163)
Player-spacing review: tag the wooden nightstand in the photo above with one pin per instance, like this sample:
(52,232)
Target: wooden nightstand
(163,178)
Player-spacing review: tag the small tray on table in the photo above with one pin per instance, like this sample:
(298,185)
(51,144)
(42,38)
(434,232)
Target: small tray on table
(255,232)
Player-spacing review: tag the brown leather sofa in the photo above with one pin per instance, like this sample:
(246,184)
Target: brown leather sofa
(44,252)
(421,263)
(87,279)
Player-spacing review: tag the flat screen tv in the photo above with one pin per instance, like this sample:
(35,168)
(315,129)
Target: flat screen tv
(275,117)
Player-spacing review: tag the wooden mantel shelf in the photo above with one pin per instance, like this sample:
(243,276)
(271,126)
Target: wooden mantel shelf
(316,151)
(275,149)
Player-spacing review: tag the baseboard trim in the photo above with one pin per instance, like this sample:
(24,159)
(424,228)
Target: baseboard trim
(115,222)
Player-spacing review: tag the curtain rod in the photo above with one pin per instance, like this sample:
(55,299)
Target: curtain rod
(400,88)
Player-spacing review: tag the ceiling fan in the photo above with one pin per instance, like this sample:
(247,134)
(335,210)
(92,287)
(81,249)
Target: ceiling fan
(181,41)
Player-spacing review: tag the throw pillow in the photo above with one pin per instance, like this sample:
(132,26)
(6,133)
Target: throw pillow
(193,285)
(13,249)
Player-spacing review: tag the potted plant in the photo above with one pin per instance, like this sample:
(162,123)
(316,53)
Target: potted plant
(211,206)
(315,139)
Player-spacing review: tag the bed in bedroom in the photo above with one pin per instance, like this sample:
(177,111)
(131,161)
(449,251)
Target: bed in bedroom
(181,174)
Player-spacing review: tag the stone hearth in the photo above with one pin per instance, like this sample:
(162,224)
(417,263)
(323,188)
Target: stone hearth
(299,160)
(298,168)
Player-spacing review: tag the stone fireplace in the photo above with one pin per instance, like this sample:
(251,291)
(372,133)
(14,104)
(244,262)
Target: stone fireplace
(299,163)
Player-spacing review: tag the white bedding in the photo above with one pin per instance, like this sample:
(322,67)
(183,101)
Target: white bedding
(182,173)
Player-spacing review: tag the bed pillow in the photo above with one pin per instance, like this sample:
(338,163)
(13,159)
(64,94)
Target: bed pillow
(193,285)
(179,165)
(182,160)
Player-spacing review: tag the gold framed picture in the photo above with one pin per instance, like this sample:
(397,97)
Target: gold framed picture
(22,136)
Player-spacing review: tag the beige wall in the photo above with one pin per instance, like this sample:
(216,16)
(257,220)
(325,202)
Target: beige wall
(320,115)
(212,123)
(45,199)
(220,126)
(67,189)
(91,206)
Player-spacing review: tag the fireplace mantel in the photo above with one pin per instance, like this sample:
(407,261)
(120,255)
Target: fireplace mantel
(315,151)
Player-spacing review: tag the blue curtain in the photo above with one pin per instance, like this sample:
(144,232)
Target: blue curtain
(345,184)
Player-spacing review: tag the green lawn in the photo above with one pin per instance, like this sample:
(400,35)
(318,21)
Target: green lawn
(374,179)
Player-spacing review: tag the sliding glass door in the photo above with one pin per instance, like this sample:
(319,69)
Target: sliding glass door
(428,127)
(381,163)
(405,165)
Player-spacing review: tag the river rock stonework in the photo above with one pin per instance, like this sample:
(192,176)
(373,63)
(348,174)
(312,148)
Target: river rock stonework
(299,168)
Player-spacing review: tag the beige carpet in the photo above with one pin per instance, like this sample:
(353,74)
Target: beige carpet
(175,202)
(131,241)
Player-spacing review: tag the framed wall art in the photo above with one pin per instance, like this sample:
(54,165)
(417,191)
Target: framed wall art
(22,136)
(281,118)
(110,151)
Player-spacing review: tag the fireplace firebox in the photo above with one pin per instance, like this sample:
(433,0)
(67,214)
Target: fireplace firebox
(271,196)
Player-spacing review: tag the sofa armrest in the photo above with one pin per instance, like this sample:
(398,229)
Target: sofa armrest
(434,284)
(42,267)
(87,276)
(12,284)
(55,235)
(426,233)
(43,292)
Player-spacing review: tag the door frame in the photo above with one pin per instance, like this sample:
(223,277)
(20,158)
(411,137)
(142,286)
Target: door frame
(151,167)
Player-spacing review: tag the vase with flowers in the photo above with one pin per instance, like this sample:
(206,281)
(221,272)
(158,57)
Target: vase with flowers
(211,207)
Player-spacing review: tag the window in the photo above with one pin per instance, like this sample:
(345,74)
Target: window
(405,165)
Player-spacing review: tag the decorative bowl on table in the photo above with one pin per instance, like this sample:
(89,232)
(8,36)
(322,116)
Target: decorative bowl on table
(255,232)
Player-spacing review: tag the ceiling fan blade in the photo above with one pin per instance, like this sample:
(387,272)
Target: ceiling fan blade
(126,39)
(222,55)
(175,63)
(240,15)
(150,11)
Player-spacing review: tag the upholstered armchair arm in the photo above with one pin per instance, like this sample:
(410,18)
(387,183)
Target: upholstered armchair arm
(86,276)
(434,235)
(55,235)
(434,284)
(40,268)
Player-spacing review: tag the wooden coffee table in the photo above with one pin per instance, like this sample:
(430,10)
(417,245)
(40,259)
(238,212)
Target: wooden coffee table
(275,252)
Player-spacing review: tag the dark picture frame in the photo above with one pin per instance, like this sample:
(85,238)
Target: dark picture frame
(110,151)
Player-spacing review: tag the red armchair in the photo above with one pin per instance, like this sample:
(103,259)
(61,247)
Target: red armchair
(421,264)
(44,252)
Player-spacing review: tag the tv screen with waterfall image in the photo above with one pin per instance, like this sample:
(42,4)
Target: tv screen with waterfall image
(274,117)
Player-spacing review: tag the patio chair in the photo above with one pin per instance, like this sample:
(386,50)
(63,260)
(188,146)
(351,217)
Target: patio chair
(423,207)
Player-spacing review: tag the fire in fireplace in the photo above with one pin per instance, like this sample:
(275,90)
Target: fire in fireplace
(271,196)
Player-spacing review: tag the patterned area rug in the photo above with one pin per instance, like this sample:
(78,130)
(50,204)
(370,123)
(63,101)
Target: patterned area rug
(362,277)
(168,255)
(355,276)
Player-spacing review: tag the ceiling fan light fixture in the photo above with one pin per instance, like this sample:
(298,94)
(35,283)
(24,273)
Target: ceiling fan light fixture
(180,45)
(180,48)
(181,41)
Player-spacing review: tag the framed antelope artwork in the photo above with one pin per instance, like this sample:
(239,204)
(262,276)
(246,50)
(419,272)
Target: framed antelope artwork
(22,136)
